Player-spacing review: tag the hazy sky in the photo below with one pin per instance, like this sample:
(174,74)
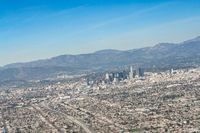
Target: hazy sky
(36,29)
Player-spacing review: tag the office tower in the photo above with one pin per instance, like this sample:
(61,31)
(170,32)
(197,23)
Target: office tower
(88,82)
(131,73)
(140,72)
(125,75)
(115,80)
(172,71)
(107,76)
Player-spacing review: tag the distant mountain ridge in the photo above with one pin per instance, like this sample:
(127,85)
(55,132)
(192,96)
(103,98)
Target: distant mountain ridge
(185,54)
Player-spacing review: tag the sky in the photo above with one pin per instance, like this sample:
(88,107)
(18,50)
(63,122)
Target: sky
(39,29)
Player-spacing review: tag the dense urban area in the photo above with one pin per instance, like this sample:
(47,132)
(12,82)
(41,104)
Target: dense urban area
(115,102)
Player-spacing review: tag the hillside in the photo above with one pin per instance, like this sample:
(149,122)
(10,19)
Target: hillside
(185,54)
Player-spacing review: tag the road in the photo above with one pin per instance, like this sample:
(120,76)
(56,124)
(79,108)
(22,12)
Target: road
(72,119)
(97,116)
(45,118)
(87,130)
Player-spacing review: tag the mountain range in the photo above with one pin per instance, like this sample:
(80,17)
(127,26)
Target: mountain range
(162,55)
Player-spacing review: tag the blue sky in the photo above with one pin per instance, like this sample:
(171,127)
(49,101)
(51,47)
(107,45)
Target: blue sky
(37,29)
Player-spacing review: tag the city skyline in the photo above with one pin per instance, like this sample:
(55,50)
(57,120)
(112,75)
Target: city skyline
(104,66)
(37,30)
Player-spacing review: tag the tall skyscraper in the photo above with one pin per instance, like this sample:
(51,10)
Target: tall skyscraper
(131,73)
(140,72)
(107,76)
(88,81)
(172,71)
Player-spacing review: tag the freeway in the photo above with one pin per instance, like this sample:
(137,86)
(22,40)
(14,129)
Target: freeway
(47,120)
(70,118)
(97,116)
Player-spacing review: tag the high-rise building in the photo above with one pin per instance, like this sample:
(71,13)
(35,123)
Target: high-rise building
(115,80)
(88,81)
(125,74)
(131,73)
(107,76)
(172,71)
(140,72)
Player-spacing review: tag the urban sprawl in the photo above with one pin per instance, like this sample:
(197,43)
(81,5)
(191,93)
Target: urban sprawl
(115,102)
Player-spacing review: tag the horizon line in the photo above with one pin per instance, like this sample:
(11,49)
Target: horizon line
(92,52)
